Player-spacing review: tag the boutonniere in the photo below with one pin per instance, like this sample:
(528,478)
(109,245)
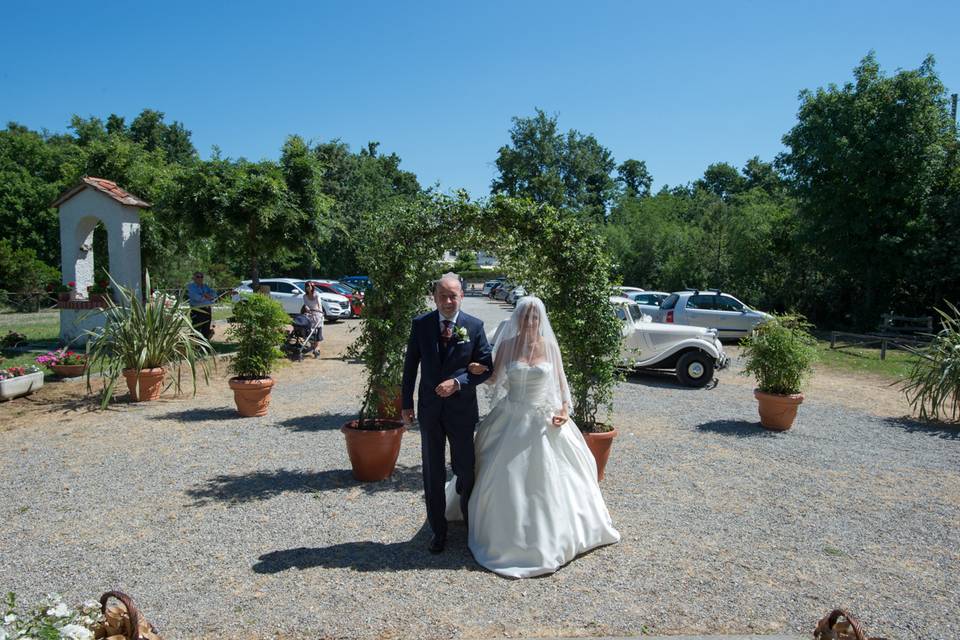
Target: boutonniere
(460,333)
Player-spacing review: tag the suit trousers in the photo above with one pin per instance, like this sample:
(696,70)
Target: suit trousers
(434,434)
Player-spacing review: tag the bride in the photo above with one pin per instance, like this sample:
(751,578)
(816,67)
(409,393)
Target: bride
(536,503)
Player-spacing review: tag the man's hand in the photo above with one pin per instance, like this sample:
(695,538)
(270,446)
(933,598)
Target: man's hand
(407,416)
(447,388)
(476,368)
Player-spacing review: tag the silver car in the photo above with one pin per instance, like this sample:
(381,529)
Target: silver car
(648,301)
(713,309)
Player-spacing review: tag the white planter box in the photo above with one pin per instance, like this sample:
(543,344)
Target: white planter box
(21,385)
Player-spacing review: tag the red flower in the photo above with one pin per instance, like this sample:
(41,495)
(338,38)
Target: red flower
(71,284)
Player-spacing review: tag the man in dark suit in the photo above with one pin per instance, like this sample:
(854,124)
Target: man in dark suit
(442,343)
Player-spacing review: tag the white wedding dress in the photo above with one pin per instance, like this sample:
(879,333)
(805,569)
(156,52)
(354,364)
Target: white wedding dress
(536,503)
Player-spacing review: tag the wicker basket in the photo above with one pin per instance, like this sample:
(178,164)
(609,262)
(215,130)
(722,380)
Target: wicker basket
(123,622)
(831,627)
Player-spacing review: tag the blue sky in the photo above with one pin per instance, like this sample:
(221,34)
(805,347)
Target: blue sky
(437,82)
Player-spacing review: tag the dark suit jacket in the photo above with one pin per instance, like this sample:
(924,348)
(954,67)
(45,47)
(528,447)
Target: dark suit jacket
(423,351)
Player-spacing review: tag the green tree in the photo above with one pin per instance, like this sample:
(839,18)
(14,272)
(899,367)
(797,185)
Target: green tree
(466,261)
(303,173)
(22,271)
(569,170)
(722,180)
(149,130)
(34,170)
(357,183)
(869,162)
(246,207)
(634,178)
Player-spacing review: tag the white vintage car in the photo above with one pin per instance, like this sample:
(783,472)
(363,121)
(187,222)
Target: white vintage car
(693,353)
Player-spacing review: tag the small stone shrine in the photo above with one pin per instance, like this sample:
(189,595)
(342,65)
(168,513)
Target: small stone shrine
(92,201)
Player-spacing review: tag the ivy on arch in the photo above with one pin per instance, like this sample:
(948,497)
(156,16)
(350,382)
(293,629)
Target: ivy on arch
(557,256)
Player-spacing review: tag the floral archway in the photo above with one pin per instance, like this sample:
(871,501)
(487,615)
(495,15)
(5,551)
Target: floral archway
(557,256)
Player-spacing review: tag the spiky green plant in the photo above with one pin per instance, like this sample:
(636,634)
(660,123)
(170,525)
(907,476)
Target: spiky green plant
(933,385)
(780,354)
(147,334)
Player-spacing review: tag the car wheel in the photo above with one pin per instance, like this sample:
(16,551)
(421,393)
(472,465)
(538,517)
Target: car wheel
(695,369)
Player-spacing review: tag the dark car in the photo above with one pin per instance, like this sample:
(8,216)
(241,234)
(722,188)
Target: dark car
(361,283)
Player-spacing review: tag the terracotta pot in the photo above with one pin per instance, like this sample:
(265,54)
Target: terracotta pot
(600,444)
(99,299)
(373,454)
(63,296)
(151,383)
(389,404)
(68,370)
(252,396)
(777,412)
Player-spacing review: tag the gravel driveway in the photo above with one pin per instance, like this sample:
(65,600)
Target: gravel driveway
(222,527)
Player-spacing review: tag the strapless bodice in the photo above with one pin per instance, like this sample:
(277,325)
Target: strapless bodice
(528,383)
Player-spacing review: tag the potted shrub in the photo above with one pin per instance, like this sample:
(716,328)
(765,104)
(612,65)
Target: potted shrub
(400,252)
(19,381)
(779,353)
(64,363)
(144,341)
(258,331)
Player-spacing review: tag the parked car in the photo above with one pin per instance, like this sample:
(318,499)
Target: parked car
(648,301)
(350,293)
(713,309)
(502,292)
(626,291)
(515,294)
(693,354)
(494,289)
(361,283)
(289,293)
(490,284)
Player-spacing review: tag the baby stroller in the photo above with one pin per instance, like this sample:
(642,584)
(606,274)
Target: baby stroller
(304,336)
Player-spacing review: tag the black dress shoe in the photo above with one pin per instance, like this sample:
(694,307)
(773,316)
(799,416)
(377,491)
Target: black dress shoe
(437,543)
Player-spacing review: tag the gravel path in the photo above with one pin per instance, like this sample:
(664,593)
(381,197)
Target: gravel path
(223,527)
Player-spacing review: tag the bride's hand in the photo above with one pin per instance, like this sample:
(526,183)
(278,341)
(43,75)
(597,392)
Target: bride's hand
(560,419)
(476,368)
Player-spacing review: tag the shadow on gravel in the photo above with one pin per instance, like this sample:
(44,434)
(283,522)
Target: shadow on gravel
(263,485)
(319,422)
(411,555)
(737,428)
(936,429)
(202,415)
(662,380)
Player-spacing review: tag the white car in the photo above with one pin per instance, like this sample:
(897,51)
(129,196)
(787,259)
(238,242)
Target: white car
(515,294)
(626,291)
(692,353)
(289,293)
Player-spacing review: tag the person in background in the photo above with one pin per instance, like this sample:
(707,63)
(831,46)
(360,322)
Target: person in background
(313,308)
(201,300)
